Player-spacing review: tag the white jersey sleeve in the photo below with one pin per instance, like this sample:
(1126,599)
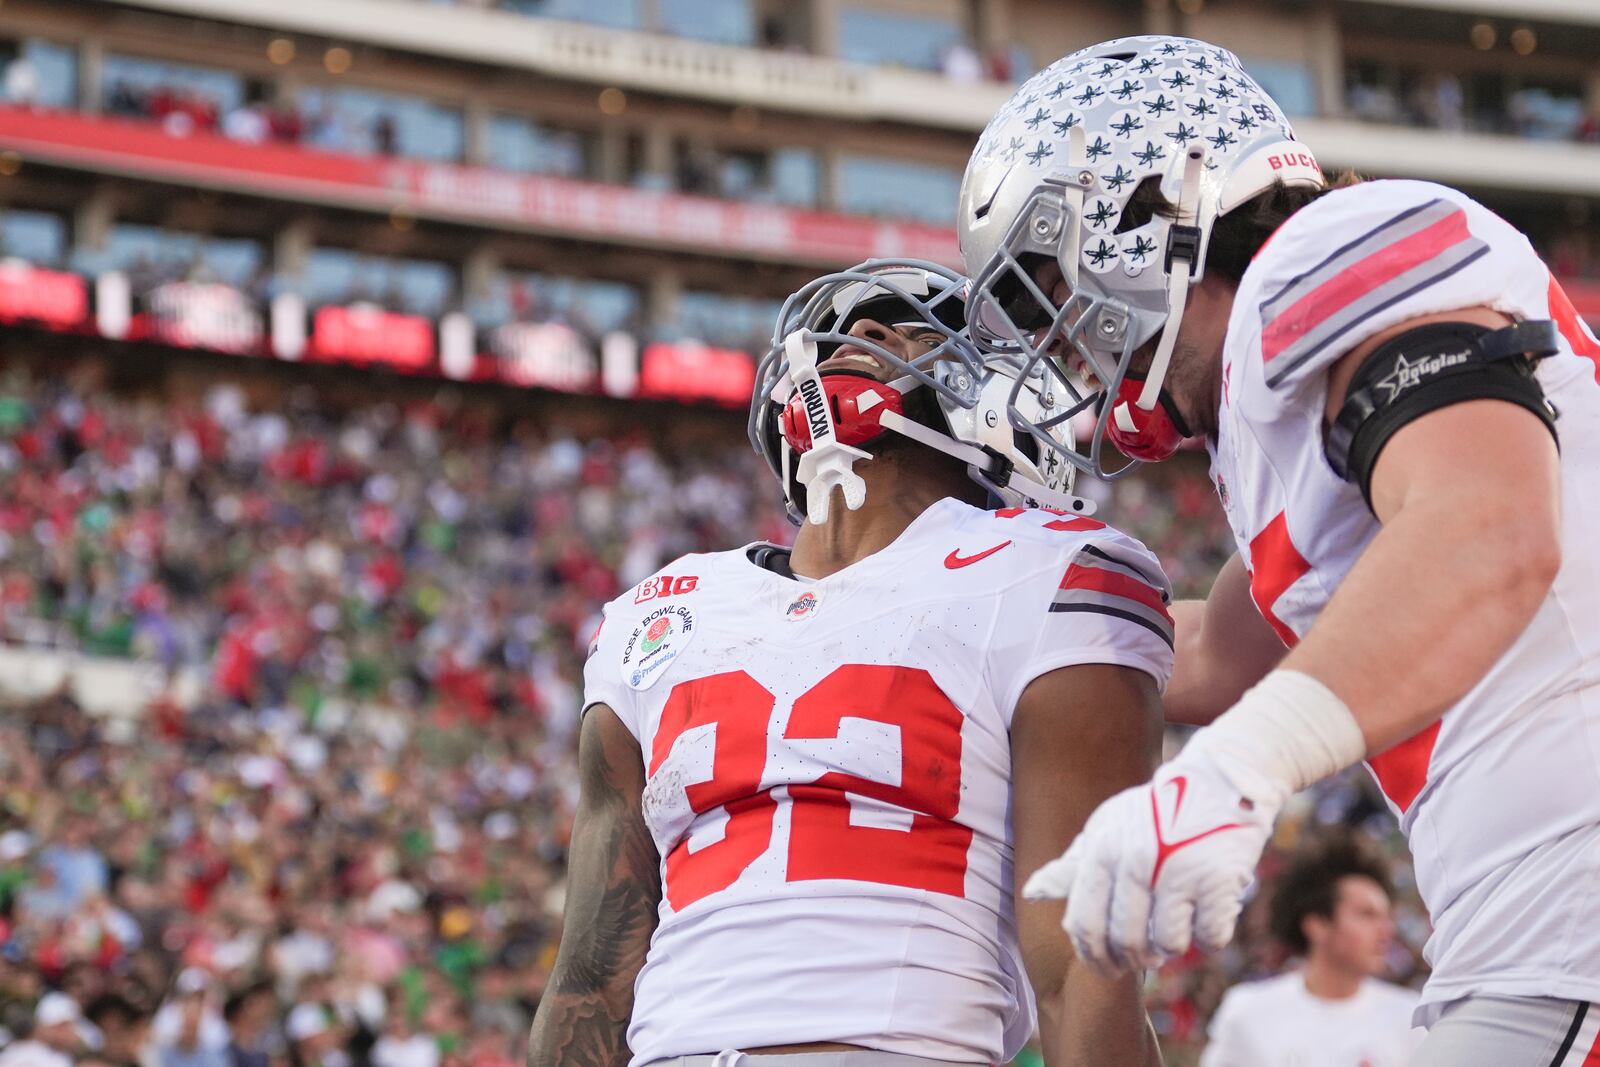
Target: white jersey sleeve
(1096,596)
(1364,259)
(602,678)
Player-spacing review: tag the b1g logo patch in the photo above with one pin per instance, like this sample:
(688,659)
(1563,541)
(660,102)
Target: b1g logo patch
(658,640)
(665,585)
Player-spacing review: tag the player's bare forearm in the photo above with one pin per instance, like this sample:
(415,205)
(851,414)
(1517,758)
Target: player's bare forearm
(1102,1020)
(1224,647)
(1469,548)
(1079,735)
(613,889)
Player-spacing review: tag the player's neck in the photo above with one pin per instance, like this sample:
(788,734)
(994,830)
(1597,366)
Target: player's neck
(899,489)
(1327,980)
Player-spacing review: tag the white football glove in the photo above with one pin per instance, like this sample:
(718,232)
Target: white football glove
(1162,865)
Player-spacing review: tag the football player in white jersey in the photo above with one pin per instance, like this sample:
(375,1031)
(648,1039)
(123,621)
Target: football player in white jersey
(1402,413)
(808,776)
(1332,908)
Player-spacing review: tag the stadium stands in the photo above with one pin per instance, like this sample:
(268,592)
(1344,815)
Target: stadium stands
(352,352)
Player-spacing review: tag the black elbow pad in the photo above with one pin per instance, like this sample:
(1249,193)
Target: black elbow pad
(1432,367)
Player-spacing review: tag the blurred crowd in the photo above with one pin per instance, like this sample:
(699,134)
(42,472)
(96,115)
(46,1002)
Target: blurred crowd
(348,851)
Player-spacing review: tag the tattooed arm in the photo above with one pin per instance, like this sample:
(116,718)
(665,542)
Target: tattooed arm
(613,887)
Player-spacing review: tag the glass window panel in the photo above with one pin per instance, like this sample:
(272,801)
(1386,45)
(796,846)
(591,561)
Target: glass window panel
(151,254)
(519,144)
(340,276)
(620,14)
(732,321)
(591,305)
(365,121)
(724,21)
(40,73)
(1019,63)
(741,175)
(34,236)
(874,185)
(870,36)
(794,176)
(133,85)
(1290,84)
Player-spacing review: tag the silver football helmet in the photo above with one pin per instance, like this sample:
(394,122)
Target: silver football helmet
(1049,182)
(812,427)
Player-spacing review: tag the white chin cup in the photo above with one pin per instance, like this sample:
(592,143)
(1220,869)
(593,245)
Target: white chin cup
(828,464)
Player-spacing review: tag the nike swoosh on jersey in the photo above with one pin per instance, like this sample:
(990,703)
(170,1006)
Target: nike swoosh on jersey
(954,560)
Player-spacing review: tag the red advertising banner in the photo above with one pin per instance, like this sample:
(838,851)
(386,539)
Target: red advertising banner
(472,194)
(51,298)
(365,333)
(688,370)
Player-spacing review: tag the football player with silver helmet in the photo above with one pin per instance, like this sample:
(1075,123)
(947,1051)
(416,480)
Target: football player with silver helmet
(1380,371)
(811,773)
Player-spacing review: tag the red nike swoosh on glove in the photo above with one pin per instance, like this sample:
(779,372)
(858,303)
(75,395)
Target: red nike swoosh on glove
(954,561)
(1165,849)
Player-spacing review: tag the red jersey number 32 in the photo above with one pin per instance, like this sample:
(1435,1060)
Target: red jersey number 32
(932,855)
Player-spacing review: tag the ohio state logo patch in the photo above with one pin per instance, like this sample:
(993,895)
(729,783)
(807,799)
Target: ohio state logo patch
(803,606)
(658,640)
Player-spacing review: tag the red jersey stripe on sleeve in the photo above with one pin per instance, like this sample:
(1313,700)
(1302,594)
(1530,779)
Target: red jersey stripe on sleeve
(1316,310)
(1114,584)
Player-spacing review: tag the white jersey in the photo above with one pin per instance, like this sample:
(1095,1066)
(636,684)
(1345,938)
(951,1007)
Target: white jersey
(1278,1023)
(828,776)
(1500,800)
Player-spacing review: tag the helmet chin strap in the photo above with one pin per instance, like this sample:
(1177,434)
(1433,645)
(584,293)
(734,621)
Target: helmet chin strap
(1180,272)
(828,463)
(983,462)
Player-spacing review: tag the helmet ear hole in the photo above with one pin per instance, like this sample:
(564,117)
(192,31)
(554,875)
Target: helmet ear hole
(1012,291)
(1026,445)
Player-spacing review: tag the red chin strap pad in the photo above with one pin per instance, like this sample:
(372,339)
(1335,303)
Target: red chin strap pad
(857,403)
(1154,435)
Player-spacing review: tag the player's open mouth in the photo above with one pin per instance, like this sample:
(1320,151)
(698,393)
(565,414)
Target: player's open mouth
(1076,364)
(849,358)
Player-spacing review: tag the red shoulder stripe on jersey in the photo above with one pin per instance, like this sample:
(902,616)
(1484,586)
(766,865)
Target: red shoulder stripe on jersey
(1275,565)
(1402,769)
(1077,522)
(1387,275)
(1067,525)
(1572,326)
(1104,581)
